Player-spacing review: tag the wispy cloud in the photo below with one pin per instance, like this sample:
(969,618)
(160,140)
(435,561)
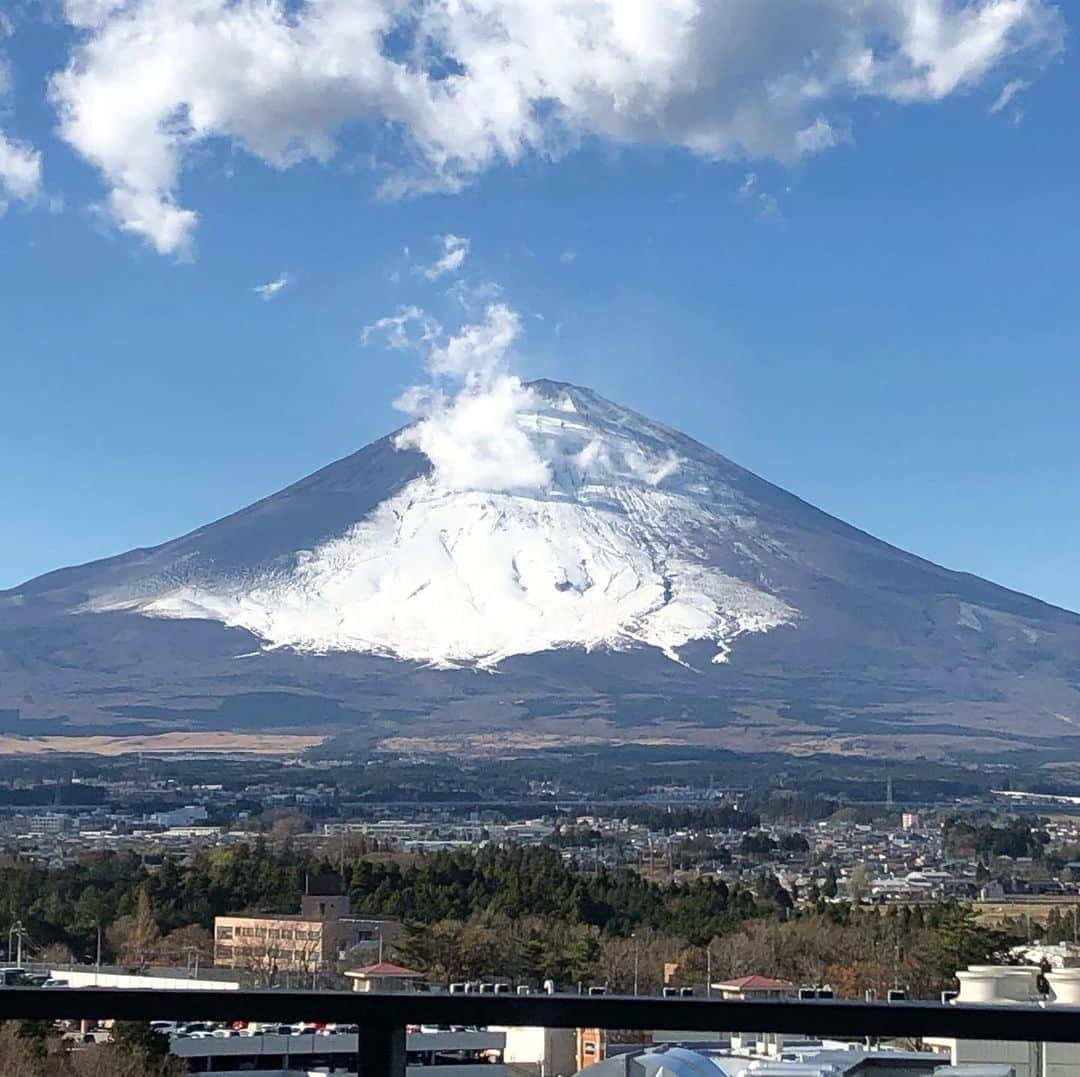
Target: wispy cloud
(455,251)
(20,171)
(410,328)
(267,291)
(767,206)
(1008,92)
(20,163)
(569,255)
(474,295)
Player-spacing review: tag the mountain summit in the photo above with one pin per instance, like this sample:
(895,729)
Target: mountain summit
(603,565)
(618,539)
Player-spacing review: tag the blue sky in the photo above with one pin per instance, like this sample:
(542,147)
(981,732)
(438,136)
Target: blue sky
(885,324)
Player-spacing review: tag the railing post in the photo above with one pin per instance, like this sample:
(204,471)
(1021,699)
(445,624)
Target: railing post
(381,1051)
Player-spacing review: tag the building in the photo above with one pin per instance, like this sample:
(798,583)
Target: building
(1015,985)
(189,815)
(310,941)
(50,822)
(591,1046)
(91,976)
(539,1052)
(807,1058)
(750,987)
(755,987)
(595,1044)
(462,1053)
(384,976)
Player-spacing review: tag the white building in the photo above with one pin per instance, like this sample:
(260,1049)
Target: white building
(189,815)
(94,977)
(540,1052)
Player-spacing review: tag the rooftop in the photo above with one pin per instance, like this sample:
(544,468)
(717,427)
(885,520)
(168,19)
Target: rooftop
(386,969)
(755,983)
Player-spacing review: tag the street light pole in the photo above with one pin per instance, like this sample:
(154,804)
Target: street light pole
(16,929)
(636,952)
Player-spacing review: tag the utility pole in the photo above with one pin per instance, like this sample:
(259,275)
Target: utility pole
(636,954)
(18,931)
(192,953)
(708,971)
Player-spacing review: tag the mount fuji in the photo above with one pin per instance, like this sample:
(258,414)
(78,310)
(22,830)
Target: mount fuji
(617,582)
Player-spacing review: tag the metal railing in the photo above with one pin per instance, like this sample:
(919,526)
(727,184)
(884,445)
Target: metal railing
(382,1018)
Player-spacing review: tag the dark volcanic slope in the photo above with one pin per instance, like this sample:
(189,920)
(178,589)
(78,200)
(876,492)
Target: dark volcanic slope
(888,653)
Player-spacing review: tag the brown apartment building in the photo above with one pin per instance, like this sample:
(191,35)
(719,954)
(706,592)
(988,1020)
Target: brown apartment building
(310,941)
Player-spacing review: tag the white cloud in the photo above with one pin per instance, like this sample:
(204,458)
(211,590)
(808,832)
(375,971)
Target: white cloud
(818,136)
(470,83)
(168,228)
(20,171)
(455,250)
(267,291)
(91,13)
(474,296)
(475,442)
(1008,92)
(477,353)
(410,328)
(768,206)
(20,163)
(483,429)
(749,185)
(472,435)
(569,255)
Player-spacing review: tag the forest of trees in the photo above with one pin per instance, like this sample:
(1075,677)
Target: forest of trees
(1015,838)
(515,913)
(720,816)
(33,1049)
(116,891)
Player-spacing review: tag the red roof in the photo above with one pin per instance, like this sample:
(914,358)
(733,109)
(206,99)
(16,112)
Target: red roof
(756,983)
(385,968)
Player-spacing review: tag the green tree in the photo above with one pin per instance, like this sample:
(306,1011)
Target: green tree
(136,1037)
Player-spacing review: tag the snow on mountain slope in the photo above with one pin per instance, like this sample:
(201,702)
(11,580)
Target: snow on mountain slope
(576,546)
(609,550)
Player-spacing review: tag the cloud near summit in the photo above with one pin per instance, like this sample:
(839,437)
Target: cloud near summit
(467,84)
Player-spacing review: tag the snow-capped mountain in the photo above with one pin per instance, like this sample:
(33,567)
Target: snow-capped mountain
(626,573)
(611,550)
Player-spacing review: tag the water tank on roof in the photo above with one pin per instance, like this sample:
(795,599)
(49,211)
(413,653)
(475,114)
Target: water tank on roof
(1064,987)
(998,984)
